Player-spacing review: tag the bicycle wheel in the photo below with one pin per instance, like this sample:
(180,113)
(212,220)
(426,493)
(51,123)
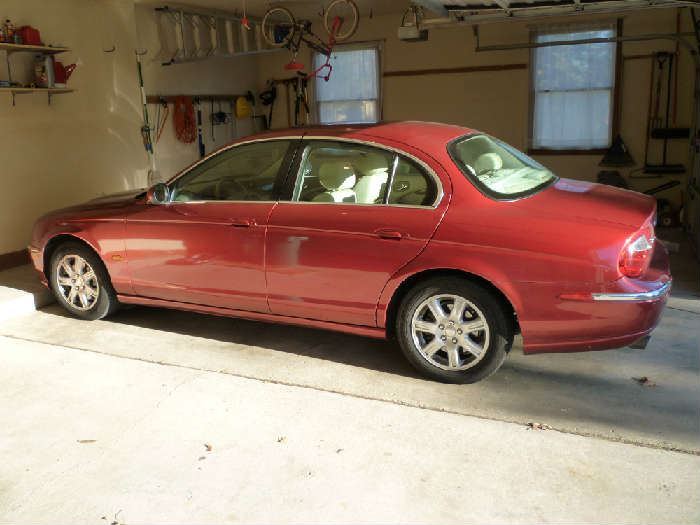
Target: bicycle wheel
(345,13)
(278,26)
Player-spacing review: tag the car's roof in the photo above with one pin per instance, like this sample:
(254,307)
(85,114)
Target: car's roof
(408,132)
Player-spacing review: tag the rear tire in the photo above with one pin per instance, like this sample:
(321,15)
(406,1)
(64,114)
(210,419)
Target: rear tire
(80,282)
(453,346)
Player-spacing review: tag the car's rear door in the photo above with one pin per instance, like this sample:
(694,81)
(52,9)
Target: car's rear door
(335,243)
(207,246)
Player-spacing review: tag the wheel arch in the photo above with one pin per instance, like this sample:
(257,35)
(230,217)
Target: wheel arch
(54,242)
(416,278)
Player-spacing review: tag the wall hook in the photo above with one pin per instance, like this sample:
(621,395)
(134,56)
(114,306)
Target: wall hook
(110,50)
(141,53)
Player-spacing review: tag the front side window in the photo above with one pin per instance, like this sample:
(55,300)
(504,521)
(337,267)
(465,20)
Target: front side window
(497,168)
(242,173)
(573,88)
(351,173)
(351,94)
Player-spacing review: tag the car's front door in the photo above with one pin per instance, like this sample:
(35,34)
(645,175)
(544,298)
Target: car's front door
(356,213)
(207,245)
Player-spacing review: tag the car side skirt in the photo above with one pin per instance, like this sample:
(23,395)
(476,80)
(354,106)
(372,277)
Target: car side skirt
(365,331)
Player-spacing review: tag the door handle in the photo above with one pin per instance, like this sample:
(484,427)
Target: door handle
(242,223)
(386,233)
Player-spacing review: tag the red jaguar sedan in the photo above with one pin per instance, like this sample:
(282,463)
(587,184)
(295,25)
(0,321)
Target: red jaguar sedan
(440,237)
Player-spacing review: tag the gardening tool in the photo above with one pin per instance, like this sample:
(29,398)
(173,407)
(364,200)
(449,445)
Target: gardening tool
(658,128)
(160,122)
(200,138)
(268,99)
(146,127)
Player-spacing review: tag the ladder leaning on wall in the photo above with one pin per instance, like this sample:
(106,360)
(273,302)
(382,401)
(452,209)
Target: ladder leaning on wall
(189,36)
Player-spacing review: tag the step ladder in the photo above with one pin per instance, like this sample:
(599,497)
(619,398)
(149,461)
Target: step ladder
(189,35)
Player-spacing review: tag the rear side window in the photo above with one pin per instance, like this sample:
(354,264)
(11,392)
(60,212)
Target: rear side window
(411,185)
(343,172)
(352,173)
(498,169)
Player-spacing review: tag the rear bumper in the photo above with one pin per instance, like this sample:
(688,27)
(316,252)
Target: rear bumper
(620,314)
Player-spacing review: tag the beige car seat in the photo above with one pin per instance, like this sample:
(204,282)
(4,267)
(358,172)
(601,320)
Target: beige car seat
(369,188)
(338,178)
(488,162)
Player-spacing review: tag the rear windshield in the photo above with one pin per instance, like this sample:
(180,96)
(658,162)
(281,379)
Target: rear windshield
(499,170)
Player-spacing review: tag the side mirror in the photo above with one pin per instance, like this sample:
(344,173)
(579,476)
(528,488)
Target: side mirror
(158,194)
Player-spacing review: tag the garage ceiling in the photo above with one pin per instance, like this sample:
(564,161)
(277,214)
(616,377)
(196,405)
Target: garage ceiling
(484,10)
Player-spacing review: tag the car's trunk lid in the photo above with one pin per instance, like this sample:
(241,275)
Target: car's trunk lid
(592,203)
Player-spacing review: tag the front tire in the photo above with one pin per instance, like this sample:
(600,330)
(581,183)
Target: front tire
(80,282)
(453,330)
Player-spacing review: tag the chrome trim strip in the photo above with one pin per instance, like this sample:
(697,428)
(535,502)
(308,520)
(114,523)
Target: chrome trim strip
(641,296)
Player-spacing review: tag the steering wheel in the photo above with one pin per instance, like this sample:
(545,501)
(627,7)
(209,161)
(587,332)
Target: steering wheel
(221,194)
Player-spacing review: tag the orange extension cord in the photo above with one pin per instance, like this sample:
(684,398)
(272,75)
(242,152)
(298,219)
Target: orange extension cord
(185,123)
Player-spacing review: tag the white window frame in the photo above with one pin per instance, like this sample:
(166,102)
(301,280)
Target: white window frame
(351,47)
(573,28)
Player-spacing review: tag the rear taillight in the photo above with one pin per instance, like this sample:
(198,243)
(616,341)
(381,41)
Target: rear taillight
(636,255)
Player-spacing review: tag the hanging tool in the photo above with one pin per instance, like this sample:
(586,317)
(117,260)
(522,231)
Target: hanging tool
(301,100)
(160,122)
(218,118)
(234,122)
(659,128)
(200,138)
(146,127)
(211,119)
(255,118)
(267,98)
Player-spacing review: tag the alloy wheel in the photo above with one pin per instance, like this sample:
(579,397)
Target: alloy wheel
(77,282)
(450,332)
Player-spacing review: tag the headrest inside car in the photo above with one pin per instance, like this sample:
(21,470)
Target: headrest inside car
(336,175)
(488,162)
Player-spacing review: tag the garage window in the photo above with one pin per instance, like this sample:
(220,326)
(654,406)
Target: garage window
(573,88)
(351,95)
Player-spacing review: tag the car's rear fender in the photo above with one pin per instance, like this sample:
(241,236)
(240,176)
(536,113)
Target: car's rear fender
(431,262)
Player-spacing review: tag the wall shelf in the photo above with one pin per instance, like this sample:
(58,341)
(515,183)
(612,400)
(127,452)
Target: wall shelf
(9,49)
(23,91)
(18,48)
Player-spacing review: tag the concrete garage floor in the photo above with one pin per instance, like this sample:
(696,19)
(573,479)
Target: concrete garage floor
(306,425)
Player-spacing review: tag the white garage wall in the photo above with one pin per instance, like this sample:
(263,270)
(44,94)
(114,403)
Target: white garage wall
(88,143)
(83,144)
(498,102)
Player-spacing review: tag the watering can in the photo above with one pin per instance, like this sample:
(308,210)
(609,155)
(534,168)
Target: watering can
(61,73)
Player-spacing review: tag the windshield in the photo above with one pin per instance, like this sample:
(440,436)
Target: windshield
(497,168)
